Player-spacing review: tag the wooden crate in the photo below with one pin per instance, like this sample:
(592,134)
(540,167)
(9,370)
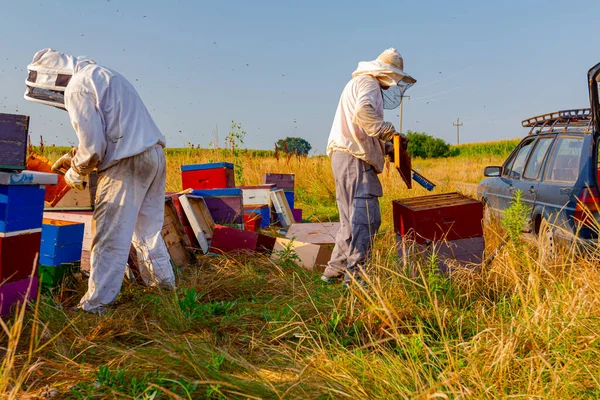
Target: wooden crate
(198,215)
(19,255)
(15,292)
(447,216)
(62,242)
(207,176)
(175,237)
(312,256)
(14,130)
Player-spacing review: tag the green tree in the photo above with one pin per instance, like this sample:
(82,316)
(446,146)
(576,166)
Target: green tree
(294,145)
(423,145)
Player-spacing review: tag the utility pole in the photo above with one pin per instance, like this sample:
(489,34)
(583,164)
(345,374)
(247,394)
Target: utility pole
(457,124)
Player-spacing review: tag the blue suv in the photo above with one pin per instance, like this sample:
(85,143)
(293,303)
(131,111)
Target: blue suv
(555,167)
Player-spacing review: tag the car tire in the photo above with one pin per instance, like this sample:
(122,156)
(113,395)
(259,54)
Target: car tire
(546,242)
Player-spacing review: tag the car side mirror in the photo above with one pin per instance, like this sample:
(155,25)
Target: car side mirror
(492,171)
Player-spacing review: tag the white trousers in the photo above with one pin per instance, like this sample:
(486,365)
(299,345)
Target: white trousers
(130,203)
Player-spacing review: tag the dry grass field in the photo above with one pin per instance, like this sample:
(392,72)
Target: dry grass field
(247,328)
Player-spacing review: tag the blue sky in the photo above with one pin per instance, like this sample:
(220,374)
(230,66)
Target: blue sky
(278,67)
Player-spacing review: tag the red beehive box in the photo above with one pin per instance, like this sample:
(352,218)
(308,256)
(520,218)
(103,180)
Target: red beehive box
(228,240)
(18,252)
(208,176)
(448,216)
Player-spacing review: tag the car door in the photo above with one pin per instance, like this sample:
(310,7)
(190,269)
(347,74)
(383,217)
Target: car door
(530,179)
(593,77)
(512,172)
(562,171)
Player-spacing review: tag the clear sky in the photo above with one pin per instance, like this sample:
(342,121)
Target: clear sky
(278,67)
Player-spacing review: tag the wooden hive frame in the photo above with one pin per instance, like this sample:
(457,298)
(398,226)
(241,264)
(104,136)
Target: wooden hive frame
(201,221)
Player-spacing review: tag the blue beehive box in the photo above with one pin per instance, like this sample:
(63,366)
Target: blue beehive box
(21,207)
(289,196)
(224,205)
(62,242)
(264,211)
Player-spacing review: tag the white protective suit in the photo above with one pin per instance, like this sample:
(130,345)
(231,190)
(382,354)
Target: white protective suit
(118,137)
(357,147)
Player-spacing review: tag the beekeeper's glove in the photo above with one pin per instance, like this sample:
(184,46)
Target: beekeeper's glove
(74,179)
(64,163)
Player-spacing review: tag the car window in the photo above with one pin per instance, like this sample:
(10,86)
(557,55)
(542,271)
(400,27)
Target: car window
(563,164)
(537,157)
(511,159)
(516,170)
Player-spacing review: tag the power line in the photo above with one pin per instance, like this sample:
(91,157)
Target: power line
(457,124)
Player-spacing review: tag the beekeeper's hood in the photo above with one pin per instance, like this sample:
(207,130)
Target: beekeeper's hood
(49,74)
(388,68)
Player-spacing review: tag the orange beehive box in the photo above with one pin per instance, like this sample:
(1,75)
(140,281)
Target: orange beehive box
(53,192)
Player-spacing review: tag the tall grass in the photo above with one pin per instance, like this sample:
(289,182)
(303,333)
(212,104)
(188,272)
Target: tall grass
(518,326)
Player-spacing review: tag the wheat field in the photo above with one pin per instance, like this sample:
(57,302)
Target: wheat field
(521,326)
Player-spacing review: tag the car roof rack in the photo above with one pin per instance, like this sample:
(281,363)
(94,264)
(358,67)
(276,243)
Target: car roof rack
(547,122)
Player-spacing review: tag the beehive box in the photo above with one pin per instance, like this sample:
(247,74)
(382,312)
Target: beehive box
(62,242)
(201,223)
(282,208)
(176,240)
(208,176)
(257,195)
(18,254)
(264,211)
(231,240)
(225,205)
(21,207)
(311,256)
(54,193)
(448,216)
(52,276)
(15,292)
(14,130)
(79,200)
(290,197)
(283,181)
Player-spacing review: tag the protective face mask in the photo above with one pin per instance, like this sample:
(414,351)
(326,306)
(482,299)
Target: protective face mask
(392,97)
(47,86)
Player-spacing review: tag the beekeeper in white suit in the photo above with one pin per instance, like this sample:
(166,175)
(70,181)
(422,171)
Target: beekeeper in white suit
(357,145)
(119,139)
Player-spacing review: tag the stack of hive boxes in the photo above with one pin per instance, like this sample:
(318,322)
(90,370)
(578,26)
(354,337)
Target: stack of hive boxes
(60,251)
(21,209)
(215,182)
(257,204)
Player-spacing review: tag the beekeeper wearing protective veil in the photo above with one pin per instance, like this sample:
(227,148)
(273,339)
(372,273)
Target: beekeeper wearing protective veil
(118,138)
(357,145)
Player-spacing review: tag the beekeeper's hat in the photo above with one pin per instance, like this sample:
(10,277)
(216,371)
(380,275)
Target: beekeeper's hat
(48,76)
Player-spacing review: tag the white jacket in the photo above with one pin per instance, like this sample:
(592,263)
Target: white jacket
(358,127)
(109,118)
